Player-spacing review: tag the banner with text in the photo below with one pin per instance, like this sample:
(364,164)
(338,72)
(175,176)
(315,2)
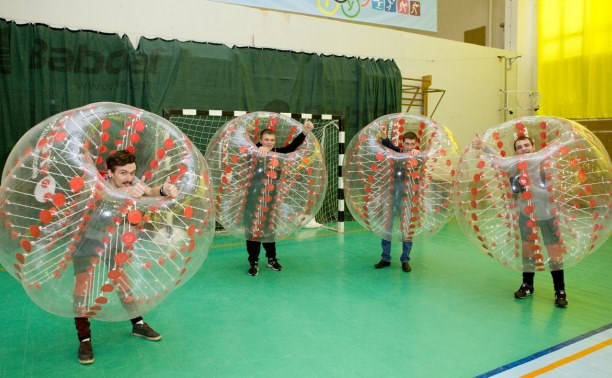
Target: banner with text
(410,14)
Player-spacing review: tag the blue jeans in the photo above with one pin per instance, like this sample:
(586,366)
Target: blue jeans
(386,250)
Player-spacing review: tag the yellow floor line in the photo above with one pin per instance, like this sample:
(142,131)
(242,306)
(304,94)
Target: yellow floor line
(568,359)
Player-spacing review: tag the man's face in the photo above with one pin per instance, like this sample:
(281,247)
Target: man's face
(123,175)
(267,140)
(523,147)
(409,145)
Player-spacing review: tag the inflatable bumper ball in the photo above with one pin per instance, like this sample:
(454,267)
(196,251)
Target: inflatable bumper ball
(398,195)
(79,246)
(265,198)
(545,209)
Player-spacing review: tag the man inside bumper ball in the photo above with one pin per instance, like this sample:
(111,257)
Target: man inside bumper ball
(121,175)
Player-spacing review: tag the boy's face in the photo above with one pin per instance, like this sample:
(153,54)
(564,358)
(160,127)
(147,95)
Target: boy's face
(523,147)
(267,140)
(409,145)
(123,175)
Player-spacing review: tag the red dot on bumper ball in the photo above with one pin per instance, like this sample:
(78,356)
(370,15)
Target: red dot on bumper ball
(121,258)
(26,245)
(188,212)
(76,184)
(139,125)
(45,216)
(134,216)
(34,230)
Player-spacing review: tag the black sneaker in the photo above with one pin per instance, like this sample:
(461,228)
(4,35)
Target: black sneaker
(144,330)
(273,263)
(560,299)
(406,267)
(382,264)
(86,355)
(523,291)
(254,268)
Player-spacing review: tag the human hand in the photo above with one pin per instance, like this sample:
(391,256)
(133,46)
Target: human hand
(263,151)
(308,126)
(383,130)
(414,152)
(139,189)
(169,189)
(478,143)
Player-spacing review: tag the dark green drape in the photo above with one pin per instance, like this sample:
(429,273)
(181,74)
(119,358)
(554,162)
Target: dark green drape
(44,71)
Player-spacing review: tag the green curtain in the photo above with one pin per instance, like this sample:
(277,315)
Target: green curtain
(574,58)
(44,71)
(208,76)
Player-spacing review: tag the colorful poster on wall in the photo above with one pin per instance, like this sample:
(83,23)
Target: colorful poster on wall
(409,14)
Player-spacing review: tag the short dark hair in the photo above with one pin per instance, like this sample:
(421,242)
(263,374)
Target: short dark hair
(409,135)
(523,137)
(119,159)
(266,131)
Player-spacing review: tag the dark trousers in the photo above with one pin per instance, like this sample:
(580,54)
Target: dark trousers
(557,276)
(254,247)
(83,330)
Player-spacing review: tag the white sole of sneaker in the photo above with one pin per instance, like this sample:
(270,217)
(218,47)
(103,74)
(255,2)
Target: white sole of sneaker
(148,338)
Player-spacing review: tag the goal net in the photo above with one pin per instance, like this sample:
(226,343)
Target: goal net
(201,125)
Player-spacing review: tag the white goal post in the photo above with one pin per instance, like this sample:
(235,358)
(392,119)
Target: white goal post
(201,125)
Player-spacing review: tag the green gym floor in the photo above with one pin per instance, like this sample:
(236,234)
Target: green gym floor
(329,313)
